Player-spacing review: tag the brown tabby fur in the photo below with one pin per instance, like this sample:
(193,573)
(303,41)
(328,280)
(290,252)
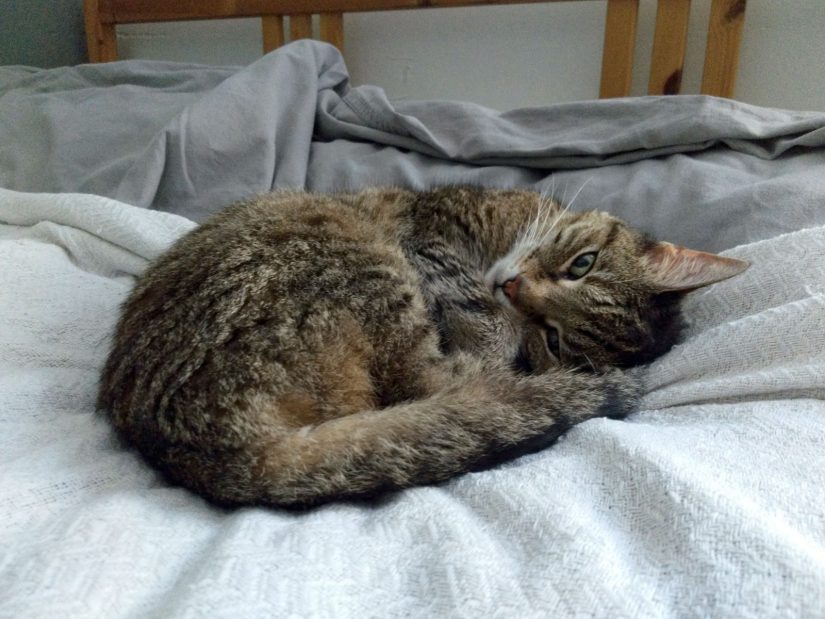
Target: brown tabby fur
(300,348)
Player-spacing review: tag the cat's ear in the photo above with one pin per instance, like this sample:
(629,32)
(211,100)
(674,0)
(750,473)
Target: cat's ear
(677,269)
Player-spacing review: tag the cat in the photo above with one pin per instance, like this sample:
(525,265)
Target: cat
(296,348)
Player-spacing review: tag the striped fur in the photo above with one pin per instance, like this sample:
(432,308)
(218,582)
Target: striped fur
(298,348)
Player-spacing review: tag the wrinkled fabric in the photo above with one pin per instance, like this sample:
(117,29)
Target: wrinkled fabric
(707,502)
(701,171)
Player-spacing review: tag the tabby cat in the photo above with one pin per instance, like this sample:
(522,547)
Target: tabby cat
(299,348)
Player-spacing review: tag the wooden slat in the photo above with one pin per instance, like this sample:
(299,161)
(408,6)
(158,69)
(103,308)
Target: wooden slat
(92,21)
(619,44)
(332,29)
(134,11)
(101,38)
(272,27)
(138,11)
(300,27)
(108,43)
(722,52)
(457,3)
(669,47)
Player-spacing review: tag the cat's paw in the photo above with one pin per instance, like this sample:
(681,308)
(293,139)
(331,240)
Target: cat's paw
(622,391)
(532,355)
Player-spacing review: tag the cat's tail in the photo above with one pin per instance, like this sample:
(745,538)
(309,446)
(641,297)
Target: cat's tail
(485,415)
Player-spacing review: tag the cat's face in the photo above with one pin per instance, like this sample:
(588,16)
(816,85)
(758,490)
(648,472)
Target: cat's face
(596,293)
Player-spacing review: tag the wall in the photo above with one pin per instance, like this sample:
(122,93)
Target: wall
(503,57)
(41,33)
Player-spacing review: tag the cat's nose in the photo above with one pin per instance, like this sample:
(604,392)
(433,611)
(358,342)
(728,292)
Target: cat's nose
(511,287)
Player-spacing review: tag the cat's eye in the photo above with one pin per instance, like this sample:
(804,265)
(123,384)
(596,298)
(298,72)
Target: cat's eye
(581,265)
(553,342)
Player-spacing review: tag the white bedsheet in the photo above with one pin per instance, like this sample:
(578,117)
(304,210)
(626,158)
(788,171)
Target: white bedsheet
(708,503)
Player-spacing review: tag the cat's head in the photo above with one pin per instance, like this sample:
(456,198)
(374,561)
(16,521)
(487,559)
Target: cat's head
(599,293)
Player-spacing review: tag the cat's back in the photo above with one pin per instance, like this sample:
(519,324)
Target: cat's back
(268,293)
(284,248)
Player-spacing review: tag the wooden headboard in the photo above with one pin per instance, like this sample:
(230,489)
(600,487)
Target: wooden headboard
(670,38)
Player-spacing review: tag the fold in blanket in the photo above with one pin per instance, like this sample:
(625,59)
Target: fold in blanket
(191,139)
(706,503)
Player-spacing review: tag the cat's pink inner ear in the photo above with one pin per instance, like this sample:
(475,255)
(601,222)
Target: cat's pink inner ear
(674,268)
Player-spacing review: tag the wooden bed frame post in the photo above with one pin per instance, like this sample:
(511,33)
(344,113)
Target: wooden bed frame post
(332,29)
(272,27)
(669,42)
(101,39)
(300,26)
(727,17)
(619,45)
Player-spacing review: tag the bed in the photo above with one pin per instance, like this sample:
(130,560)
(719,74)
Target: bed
(707,502)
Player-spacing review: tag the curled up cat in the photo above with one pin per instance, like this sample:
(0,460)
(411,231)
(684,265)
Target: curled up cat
(298,348)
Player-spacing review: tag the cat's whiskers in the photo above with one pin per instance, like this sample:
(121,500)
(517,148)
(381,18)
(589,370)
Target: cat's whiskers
(541,216)
(527,233)
(548,209)
(584,184)
(564,210)
(529,236)
(552,227)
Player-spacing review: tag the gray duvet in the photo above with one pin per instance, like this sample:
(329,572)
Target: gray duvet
(707,172)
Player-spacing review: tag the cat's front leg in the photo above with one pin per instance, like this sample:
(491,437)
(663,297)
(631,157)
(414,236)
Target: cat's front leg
(550,403)
(467,316)
(478,326)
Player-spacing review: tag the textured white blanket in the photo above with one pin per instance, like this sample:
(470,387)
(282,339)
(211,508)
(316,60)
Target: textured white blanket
(709,503)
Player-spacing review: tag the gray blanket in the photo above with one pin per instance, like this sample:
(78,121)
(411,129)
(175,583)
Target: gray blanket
(705,172)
